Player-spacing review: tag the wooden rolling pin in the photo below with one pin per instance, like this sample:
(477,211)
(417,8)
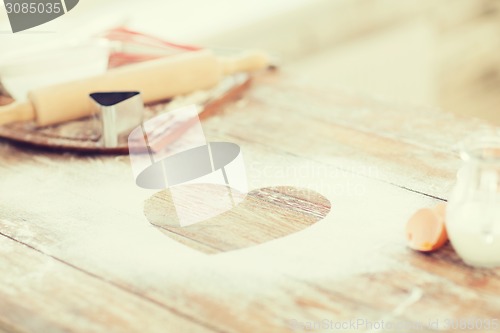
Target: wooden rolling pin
(156,80)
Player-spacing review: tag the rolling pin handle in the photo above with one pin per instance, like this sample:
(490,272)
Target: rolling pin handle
(17,111)
(246,62)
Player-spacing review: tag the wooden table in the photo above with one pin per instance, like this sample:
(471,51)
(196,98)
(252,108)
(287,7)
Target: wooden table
(78,255)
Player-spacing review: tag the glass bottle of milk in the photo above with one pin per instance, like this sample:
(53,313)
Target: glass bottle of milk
(473,211)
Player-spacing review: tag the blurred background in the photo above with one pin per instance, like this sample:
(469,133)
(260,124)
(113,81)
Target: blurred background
(443,53)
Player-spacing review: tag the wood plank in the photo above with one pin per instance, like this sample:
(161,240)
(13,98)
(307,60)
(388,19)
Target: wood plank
(41,294)
(399,141)
(87,211)
(52,236)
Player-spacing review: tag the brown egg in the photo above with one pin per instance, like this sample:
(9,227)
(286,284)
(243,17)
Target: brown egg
(425,230)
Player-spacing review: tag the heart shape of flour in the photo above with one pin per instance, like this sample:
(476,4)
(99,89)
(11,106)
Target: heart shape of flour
(262,215)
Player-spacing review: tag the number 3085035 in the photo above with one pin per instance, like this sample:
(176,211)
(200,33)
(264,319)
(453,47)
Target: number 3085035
(33,8)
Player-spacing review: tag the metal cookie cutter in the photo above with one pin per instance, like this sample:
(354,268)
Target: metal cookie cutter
(118,113)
